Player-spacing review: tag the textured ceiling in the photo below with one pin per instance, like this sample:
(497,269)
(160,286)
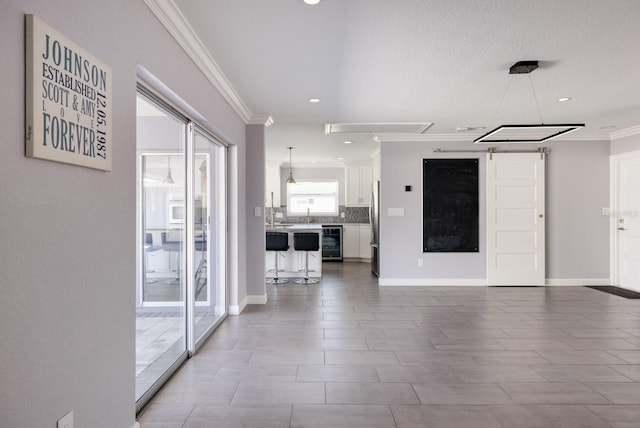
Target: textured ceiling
(440,61)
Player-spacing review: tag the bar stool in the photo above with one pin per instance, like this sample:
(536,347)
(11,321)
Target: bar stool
(306,241)
(277,241)
(149,248)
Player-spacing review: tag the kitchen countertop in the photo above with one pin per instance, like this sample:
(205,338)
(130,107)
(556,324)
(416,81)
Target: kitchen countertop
(297,226)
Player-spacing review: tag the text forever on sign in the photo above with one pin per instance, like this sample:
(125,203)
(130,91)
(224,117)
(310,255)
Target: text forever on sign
(68,100)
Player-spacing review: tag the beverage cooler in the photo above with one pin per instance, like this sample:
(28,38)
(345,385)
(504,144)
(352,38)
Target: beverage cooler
(332,242)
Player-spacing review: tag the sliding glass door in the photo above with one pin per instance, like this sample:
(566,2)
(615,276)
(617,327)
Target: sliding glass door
(181,237)
(161,340)
(209,219)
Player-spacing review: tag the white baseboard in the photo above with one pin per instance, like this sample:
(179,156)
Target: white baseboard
(431,282)
(257,300)
(237,309)
(577,281)
(356,260)
(447,282)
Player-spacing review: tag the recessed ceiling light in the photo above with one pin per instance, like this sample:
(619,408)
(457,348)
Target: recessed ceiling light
(348,142)
(312,2)
(314,162)
(563,99)
(608,127)
(340,158)
(314,100)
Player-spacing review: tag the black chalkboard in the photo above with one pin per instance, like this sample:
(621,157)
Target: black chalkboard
(450,205)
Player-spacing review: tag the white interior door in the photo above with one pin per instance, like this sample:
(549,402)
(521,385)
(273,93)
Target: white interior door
(515,219)
(627,217)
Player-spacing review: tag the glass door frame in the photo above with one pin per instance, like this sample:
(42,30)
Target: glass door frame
(221,218)
(187,256)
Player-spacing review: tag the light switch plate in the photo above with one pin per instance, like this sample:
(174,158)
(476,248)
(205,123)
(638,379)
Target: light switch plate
(395,212)
(257,211)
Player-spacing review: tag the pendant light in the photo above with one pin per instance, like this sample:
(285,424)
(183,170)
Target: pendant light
(526,133)
(169,178)
(290,179)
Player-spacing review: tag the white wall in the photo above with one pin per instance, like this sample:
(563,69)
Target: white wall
(577,233)
(67,314)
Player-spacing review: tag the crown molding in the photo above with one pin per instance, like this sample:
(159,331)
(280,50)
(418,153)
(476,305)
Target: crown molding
(267,121)
(179,28)
(466,137)
(623,133)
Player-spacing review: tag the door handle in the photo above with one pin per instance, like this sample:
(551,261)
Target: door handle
(622,228)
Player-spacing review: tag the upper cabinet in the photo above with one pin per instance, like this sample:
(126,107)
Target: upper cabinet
(358,186)
(272,184)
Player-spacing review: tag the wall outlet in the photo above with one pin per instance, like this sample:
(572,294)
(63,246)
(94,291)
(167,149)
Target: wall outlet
(66,421)
(420,262)
(342,214)
(606,211)
(279,215)
(257,211)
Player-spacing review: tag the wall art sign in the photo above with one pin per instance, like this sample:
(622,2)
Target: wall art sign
(68,100)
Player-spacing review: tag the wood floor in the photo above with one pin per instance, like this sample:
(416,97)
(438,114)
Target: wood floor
(347,353)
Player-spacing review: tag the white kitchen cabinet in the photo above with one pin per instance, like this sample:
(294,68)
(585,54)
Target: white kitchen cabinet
(365,241)
(356,239)
(358,186)
(272,184)
(350,241)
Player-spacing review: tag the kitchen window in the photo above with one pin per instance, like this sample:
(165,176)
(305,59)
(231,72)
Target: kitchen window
(318,198)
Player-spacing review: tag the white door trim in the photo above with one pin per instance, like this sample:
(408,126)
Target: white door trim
(614,200)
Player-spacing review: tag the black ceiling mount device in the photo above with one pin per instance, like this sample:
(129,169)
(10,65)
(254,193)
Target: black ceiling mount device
(523,67)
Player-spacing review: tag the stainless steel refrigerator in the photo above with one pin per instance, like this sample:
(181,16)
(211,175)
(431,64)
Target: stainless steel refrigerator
(374,216)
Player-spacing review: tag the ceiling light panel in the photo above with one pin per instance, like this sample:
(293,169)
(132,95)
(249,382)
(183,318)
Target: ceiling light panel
(526,133)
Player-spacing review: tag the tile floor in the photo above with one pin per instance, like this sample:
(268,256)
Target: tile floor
(347,353)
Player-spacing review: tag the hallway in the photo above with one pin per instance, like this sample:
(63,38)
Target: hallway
(346,353)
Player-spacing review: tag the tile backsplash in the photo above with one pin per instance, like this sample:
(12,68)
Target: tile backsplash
(351,215)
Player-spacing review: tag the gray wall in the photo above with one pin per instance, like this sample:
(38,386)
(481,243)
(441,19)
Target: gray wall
(67,314)
(577,190)
(577,233)
(401,237)
(255,197)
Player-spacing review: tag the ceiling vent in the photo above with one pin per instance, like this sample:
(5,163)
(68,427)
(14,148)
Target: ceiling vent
(376,128)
